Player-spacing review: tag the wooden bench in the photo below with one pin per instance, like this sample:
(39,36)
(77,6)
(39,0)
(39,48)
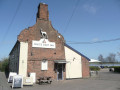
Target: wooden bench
(42,80)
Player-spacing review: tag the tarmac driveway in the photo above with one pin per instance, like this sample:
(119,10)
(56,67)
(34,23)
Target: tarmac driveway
(104,81)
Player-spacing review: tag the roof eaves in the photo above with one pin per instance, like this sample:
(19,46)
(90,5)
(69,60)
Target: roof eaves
(13,47)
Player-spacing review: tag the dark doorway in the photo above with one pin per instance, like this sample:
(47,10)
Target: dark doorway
(60,72)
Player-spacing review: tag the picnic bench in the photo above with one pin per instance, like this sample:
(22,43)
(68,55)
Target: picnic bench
(42,80)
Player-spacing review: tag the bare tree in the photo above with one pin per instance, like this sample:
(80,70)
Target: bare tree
(111,57)
(118,54)
(100,58)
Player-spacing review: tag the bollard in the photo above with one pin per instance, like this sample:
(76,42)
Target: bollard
(93,73)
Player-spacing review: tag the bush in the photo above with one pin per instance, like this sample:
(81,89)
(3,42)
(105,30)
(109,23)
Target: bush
(105,66)
(116,68)
(94,68)
(4,64)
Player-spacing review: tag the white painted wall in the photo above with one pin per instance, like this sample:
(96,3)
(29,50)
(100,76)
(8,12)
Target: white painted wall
(74,65)
(23,58)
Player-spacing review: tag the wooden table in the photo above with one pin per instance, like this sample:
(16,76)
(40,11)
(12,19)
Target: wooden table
(45,80)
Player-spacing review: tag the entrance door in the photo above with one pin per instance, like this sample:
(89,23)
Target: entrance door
(60,72)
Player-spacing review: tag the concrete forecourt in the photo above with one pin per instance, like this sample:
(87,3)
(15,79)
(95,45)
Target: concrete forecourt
(104,81)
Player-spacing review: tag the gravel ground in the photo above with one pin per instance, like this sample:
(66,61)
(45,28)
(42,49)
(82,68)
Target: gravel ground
(104,81)
(3,82)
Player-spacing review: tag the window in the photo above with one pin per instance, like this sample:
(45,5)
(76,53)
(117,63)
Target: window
(44,65)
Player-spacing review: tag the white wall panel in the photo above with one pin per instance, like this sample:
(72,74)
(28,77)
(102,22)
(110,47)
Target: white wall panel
(74,65)
(23,58)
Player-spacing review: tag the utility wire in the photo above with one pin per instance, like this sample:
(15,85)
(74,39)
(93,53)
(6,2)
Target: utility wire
(8,29)
(102,41)
(66,27)
(32,15)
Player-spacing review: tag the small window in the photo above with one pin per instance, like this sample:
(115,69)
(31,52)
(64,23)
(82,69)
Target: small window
(44,65)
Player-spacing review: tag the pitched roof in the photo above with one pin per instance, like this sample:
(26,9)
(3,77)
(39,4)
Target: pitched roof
(14,46)
(77,51)
(93,60)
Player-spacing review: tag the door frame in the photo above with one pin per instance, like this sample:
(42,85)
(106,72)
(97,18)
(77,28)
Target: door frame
(58,72)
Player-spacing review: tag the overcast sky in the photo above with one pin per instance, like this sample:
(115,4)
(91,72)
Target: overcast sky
(76,20)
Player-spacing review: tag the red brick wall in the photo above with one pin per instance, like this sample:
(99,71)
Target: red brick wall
(43,12)
(35,66)
(85,68)
(35,55)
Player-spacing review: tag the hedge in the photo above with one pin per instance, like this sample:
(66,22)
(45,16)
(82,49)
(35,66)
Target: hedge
(116,68)
(94,68)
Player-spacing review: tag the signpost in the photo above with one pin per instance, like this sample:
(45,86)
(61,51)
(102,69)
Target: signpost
(27,81)
(11,74)
(33,76)
(17,81)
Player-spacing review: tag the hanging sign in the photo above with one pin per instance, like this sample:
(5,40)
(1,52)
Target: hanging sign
(43,43)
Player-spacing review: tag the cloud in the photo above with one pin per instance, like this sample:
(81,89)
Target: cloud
(95,39)
(90,8)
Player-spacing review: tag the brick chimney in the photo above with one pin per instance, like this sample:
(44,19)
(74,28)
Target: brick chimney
(43,12)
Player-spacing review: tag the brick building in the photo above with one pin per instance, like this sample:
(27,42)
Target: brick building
(41,49)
